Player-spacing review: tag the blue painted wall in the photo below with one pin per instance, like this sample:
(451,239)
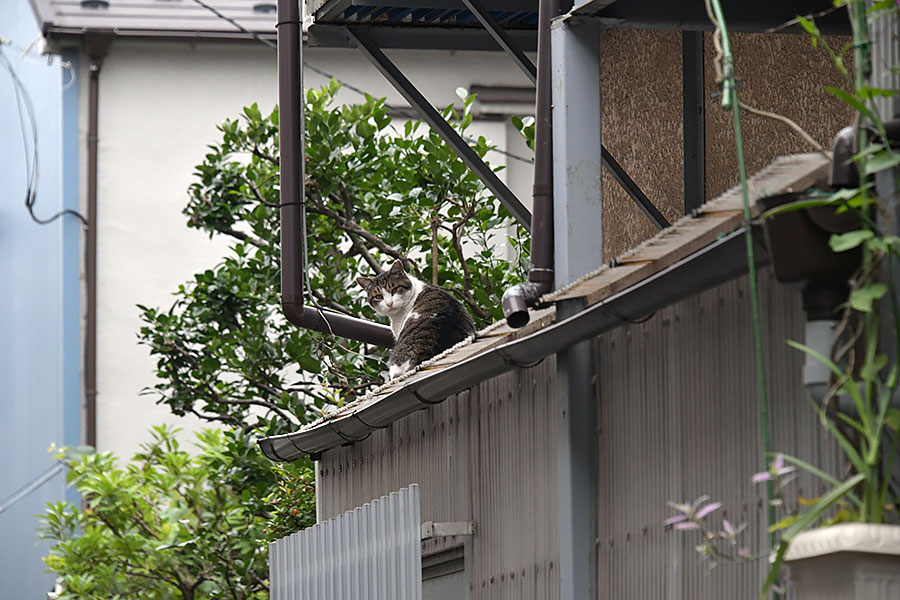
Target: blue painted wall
(39,310)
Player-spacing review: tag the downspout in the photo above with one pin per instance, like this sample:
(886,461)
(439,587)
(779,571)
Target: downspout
(96,48)
(293,213)
(517,299)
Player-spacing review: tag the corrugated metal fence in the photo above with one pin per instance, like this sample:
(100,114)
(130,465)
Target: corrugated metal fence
(486,455)
(678,417)
(372,552)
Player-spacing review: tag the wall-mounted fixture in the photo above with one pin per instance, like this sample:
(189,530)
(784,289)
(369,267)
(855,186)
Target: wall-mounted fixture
(94,3)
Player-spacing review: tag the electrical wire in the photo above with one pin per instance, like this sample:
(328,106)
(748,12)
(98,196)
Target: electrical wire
(401,110)
(28,126)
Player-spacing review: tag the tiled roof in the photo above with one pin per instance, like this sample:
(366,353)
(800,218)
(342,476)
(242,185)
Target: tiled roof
(182,17)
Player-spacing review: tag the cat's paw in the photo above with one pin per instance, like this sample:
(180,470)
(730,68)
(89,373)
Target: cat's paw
(395,371)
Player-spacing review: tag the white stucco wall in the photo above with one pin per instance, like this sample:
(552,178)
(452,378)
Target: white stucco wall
(159,105)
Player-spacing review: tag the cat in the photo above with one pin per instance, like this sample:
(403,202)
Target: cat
(426,319)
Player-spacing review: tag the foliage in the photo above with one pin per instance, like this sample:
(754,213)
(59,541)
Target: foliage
(170,524)
(374,194)
(858,409)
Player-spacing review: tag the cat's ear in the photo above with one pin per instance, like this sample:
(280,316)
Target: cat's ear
(365,282)
(397,267)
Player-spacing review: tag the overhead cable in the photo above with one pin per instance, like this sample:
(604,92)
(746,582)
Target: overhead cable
(28,126)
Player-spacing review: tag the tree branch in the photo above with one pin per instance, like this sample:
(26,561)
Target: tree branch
(468,298)
(332,304)
(364,252)
(240,235)
(351,226)
(255,151)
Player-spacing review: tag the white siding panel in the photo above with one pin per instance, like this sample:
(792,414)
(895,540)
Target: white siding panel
(372,552)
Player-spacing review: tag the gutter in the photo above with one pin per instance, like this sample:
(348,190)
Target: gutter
(293,210)
(717,263)
(96,47)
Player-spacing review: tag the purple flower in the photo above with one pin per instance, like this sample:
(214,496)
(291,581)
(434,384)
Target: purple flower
(687,525)
(728,528)
(776,468)
(675,519)
(708,509)
(730,531)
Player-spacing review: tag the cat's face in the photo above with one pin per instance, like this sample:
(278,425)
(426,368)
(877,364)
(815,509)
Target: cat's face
(391,292)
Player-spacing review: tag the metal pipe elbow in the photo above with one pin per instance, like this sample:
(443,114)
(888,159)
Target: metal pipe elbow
(843,173)
(517,300)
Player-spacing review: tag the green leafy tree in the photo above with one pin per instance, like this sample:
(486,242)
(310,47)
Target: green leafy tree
(375,194)
(174,525)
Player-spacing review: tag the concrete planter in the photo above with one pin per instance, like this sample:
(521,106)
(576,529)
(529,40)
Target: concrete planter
(852,561)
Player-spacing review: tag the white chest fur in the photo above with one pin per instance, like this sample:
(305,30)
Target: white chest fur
(401,317)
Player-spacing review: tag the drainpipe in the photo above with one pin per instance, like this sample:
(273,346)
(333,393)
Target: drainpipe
(517,299)
(96,48)
(293,213)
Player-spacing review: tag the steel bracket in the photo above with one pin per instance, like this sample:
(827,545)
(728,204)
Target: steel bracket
(430,529)
(364,43)
(502,38)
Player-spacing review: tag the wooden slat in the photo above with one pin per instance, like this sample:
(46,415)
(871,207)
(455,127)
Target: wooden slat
(690,234)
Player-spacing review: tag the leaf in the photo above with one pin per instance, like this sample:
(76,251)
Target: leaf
(854,102)
(824,503)
(820,474)
(892,419)
(862,298)
(871,369)
(462,93)
(309,364)
(810,27)
(870,92)
(885,159)
(847,241)
(783,523)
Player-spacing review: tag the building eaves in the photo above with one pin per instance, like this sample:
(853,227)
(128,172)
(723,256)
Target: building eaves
(699,251)
(154,18)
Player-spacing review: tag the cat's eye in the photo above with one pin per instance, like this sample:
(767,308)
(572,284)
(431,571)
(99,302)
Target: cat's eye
(376,298)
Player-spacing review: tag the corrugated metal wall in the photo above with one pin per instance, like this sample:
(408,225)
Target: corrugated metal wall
(486,456)
(679,419)
(372,552)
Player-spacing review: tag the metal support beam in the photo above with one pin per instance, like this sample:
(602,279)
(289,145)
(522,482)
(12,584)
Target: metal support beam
(632,189)
(370,50)
(502,38)
(694,123)
(577,151)
(577,466)
(578,244)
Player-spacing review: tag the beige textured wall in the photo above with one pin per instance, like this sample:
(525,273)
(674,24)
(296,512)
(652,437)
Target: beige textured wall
(778,73)
(642,117)
(641,121)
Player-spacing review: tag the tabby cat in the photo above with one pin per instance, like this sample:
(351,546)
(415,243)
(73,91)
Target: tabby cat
(425,319)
